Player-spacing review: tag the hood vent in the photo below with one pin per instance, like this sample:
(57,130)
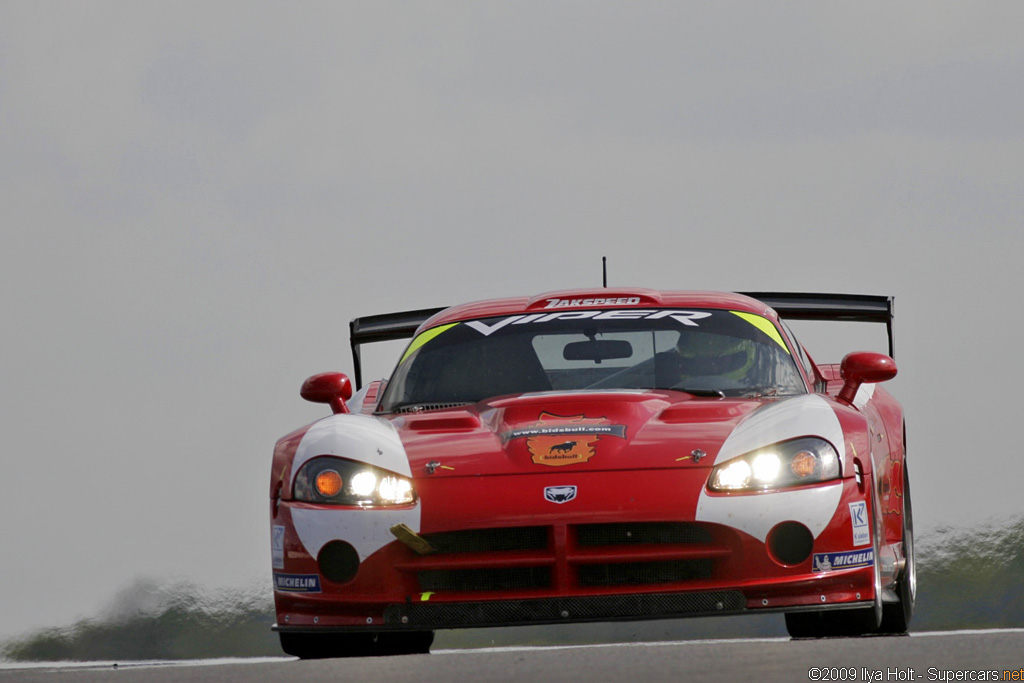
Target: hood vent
(424,407)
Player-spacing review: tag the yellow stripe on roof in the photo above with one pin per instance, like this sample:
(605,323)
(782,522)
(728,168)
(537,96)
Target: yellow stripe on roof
(764,325)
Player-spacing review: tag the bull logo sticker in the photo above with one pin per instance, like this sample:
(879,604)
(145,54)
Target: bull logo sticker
(557,440)
(559,494)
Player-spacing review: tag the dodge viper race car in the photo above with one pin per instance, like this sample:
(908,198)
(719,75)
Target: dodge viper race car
(595,455)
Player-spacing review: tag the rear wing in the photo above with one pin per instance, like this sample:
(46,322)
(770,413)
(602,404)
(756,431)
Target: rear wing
(865,308)
(793,306)
(384,327)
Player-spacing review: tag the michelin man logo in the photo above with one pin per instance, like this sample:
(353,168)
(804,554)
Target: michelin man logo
(856,559)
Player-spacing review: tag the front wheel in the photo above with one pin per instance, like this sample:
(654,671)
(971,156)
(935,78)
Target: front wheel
(847,622)
(896,615)
(329,645)
(831,624)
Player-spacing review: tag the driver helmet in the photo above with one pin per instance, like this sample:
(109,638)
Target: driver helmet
(719,355)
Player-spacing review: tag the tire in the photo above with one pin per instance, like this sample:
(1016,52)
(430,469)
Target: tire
(330,645)
(830,624)
(849,622)
(896,615)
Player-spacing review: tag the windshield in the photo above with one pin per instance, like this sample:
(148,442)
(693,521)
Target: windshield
(703,352)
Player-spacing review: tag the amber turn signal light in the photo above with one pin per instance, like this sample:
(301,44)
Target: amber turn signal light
(803,464)
(328,483)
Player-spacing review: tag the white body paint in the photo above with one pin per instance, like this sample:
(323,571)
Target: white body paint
(757,513)
(361,438)
(366,530)
(864,394)
(355,404)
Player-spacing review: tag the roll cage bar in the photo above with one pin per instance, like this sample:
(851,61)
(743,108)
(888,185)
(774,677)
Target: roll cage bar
(789,305)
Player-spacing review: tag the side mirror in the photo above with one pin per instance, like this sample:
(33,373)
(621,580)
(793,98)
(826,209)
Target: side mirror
(864,366)
(333,388)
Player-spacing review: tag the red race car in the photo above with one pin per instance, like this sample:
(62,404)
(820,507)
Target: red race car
(595,455)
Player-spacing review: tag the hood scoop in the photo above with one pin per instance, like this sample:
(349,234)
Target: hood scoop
(441,422)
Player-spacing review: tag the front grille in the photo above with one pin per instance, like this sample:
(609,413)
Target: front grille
(644,573)
(503,579)
(498,612)
(650,532)
(489,540)
(572,558)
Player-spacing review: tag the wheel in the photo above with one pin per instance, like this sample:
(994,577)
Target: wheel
(851,622)
(329,645)
(896,615)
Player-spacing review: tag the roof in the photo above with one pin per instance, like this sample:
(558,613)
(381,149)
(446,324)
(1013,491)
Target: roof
(618,297)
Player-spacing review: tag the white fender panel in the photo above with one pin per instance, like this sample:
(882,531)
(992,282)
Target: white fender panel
(366,530)
(757,513)
(362,438)
(805,415)
(864,394)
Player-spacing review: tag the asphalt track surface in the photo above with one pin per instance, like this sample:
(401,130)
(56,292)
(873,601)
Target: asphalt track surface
(946,656)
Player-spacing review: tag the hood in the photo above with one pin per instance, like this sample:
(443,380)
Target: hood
(573,431)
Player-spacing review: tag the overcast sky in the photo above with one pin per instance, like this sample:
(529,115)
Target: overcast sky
(196,198)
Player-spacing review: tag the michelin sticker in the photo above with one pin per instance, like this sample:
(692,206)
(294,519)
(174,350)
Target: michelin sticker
(826,562)
(277,546)
(859,520)
(296,583)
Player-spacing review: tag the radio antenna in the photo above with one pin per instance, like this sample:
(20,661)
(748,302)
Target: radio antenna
(604,271)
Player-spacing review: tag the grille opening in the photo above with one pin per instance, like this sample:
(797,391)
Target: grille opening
(642,573)
(511,578)
(489,540)
(635,533)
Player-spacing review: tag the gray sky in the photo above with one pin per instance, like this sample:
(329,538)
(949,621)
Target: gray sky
(195,199)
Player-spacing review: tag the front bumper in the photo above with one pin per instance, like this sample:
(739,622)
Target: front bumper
(629,558)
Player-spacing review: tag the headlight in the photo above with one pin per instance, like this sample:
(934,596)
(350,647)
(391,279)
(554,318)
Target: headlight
(789,463)
(338,481)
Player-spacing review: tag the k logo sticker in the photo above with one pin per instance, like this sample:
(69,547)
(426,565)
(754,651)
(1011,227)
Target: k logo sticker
(277,546)
(859,521)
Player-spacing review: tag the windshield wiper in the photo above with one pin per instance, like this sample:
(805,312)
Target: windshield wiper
(715,393)
(771,392)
